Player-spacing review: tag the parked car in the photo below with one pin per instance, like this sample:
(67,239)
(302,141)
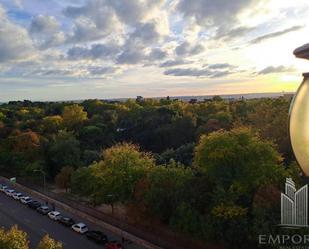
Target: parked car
(3,188)
(25,199)
(66,221)
(43,210)
(17,196)
(113,245)
(9,192)
(54,215)
(80,228)
(34,204)
(97,236)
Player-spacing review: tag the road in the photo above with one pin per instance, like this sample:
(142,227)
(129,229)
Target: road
(36,225)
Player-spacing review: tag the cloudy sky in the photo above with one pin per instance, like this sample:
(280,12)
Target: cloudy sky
(76,49)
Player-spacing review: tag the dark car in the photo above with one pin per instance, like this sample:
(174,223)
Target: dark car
(34,204)
(97,236)
(66,221)
(43,210)
(113,245)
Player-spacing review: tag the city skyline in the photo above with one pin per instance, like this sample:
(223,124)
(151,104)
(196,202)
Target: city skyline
(64,50)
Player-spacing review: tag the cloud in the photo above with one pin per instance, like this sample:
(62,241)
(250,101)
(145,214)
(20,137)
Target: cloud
(119,54)
(45,32)
(216,13)
(102,70)
(146,33)
(96,51)
(278,69)
(44,24)
(229,34)
(53,40)
(134,11)
(275,34)
(157,54)
(51,72)
(92,21)
(87,30)
(15,43)
(172,63)
(99,18)
(132,55)
(185,49)
(220,66)
(196,72)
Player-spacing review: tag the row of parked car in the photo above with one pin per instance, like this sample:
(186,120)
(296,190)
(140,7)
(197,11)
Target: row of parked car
(96,236)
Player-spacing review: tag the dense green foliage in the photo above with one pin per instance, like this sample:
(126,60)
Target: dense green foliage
(212,170)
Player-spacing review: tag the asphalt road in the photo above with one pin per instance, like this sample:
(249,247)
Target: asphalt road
(36,225)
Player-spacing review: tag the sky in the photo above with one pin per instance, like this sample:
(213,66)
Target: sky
(82,49)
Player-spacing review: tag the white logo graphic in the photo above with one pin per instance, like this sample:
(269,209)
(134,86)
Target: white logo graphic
(294,205)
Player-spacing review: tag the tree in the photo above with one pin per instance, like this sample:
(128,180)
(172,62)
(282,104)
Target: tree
(183,155)
(13,239)
(228,223)
(64,150)
(238,159)
(73,116)
(83,182)
(270,118)
(63,179)
(116,175)
(217,98)
(2,116)
(162,196)
(26,143)
(266,209)
(91,156)
(52,124)
(186,219)
(49,243)
(92,137)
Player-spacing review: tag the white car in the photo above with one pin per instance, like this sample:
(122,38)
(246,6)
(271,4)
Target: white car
(3,188)
(17,196)
(9,192)
(54,215)
(80,228)
(25,199)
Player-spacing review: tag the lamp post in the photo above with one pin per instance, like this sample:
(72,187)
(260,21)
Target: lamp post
(299,117)
(44,176)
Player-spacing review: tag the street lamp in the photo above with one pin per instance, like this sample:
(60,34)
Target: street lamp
(299,117)
(44,176)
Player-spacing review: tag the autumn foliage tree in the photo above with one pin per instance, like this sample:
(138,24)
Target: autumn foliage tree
(13,239)
(49,243)
(73,116)
(63,179)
